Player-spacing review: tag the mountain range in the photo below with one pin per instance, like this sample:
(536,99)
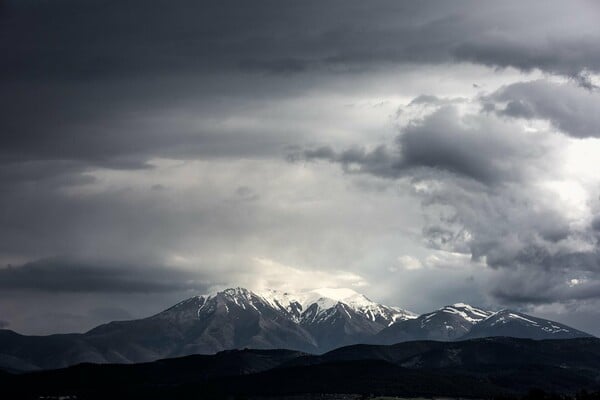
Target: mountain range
(312,321)
(497,367)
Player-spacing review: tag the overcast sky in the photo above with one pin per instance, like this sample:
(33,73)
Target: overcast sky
(422,153)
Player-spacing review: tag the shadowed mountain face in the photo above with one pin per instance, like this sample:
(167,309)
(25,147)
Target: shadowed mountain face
(234,318)
(231,319)
(462,321)
(312,322)
(519,325)
(475,368)
(203,325)
(447,323)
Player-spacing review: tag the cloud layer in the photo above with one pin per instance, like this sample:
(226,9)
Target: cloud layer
(498,190)
(151,151)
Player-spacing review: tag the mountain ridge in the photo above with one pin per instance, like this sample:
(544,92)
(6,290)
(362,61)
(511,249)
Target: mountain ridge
(312,322)
(476,368)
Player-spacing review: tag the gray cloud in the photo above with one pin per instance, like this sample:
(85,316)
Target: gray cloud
(93,79)
(596,223)
(151,135)
(190,36)
(569,108)
(434,100)
(569,285)
(64,275)
(476,176)
(476,148)
(567,56)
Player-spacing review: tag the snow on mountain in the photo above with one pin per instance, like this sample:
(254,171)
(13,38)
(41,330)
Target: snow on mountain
(519,325)
(447,323)
(468,313)
(327,318)
(312,321)
(331,317)
(453,320)
(235,318)
(321,301)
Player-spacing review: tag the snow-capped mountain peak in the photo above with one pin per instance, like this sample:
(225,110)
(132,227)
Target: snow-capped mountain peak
(327,297)
(311,321)
(447,323)
(321,301)
(516,324)
(331,317)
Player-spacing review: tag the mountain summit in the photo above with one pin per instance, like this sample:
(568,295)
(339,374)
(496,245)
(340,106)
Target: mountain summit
(310,321)
(336,317)
(461,321)
(448,323)
(313,305)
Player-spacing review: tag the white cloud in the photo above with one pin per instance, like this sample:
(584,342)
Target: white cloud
(409,263)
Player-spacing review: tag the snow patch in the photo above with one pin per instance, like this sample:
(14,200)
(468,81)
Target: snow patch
(516,316)
(326,299)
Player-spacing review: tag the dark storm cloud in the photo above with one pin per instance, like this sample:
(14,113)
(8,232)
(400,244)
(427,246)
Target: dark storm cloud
(571,109)
(566,56)
(90,87)
(115,124)
(55,173)
(596,223)
(380,161)
(76,40)
(477,149)
(65,275)
(476,175)
(81,78)
(535,286)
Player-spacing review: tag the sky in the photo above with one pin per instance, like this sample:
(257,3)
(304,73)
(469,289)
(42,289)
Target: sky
(422,153)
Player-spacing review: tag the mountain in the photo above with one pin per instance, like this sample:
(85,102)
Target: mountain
(232,318)
(337,317)
(448,323)
(461,322)
(478,368)
(519,325)
(311,321)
